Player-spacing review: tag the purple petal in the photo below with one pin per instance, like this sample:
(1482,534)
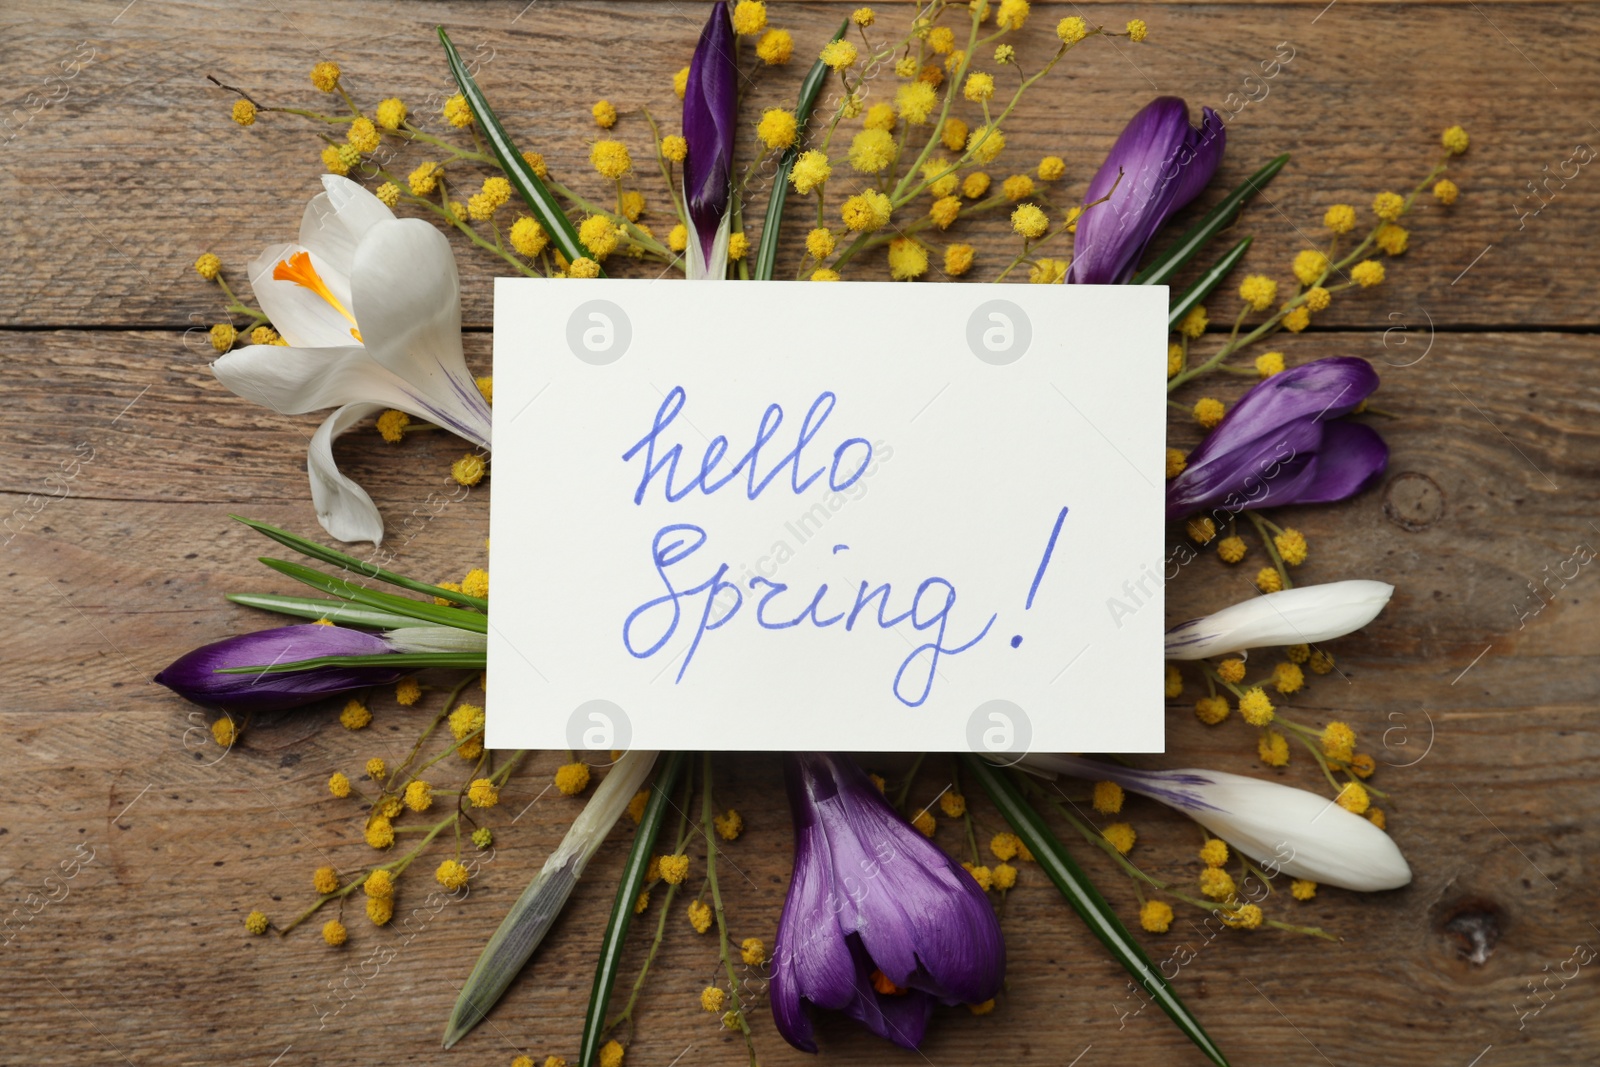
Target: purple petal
(1271,436)
(1164,163)
(710,117)
(194,676)
(1352,457)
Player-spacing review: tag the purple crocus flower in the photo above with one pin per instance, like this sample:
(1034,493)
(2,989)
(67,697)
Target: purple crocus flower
(1283,443)
(194,676)
(1165,163)
(710,115)
(879,923)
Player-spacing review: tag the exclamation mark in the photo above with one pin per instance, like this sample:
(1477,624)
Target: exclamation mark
(1044,562)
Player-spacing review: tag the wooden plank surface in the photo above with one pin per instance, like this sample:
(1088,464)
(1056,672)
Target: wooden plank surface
(1486,709)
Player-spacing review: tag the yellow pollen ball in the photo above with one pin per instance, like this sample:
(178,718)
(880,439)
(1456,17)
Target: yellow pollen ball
(985,143)
(1317,298)
(244,112)
(1377,818)
(953,804)
(476,583)
(823,274)
(872,150)
(1273,748)
(468,470)
(774,48)
(339,785)
(1216,883)
(1297,320)
(1353,797)
(1214,853)
(958,259)
(777,128)
(379,833)
(1248,917)
(713,999)
(729,825)
(1072,29)
(982,1009)
(1302,889)
(749,17)
(1297,653)
(942,40)
(391,113)
(979,87)
(1388,206)
(583,267)
(700,916)
(925,823)
(425,179)
(1259,291)
(380,910)
(334,933)
(738,247)
(1005,846)
(1231,671)
(1445,191)
(1137,30)
(1048,271)
(1121,836)
(1156,916)
(610,159)
(1268,580)
(256,922)
(1016,187)
(325,76)
(223,335)
(363,136)
(975,185)
(1175,359)
(980,874)
(1287,678)
(1309,266)
(1367,273)
(605,114)
(680,82)
(1193,325)
(1455,140)
(863,17)
(810,170)
(419,796)
(1392,239)
(528,237)
(1291,545)
(572,778)
(1176,462)
(1107,798)
(1173,682)
(1051,168)
(1269,363)
(1231,549)
(820,243)
(1003,876)
(324,880)
(1012,14)
(1029,222)
(355,715)
(1208,411)
(915,101)
(753,951)
(1255,708)
(224,732)
(457,112)
(1338,741)
(1200,529)
(1340,218)
(483,793)
(1363,765)
(451,874)
(953,134)
(208,266)
(838,55)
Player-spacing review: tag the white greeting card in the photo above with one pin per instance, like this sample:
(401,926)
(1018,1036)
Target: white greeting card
(792,515)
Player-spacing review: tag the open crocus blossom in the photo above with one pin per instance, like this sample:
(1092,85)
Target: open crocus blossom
(1300,833)
(1164,163)
(710,117)
(195,675)
(1301,616)
(1283,443)
(879,923)
(370,306)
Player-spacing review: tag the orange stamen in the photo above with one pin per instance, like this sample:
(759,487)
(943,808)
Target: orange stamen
(882,984)
(298,269)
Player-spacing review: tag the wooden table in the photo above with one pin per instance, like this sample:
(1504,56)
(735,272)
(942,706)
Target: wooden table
(124,457)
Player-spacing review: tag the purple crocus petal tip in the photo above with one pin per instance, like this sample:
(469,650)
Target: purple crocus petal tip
(194,675)
(710,123)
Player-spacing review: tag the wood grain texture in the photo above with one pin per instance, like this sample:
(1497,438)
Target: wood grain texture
(123,458)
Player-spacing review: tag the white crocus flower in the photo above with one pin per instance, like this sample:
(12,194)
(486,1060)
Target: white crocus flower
(370,306)
(1282,828)
(1301,616)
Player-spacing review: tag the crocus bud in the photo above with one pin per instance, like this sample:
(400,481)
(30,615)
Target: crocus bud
(879,923)
(1304,615)
(710,118)
(1164,163)
(194,675)
(1284,443)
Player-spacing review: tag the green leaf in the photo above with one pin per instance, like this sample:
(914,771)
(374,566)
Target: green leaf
(321,552)
(1208,281)
(1086,899)
(400,605)
(419,660)
(545,207)
(613,944)
(1161,270)
(335,611)
(767,251)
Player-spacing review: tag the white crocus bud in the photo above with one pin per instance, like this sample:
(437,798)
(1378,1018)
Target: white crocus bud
(1282,828)
(1302,616)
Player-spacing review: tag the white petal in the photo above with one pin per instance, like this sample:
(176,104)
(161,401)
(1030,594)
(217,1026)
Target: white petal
(1304,615)
(334,223)
(303,317)
(436,639)
(343,507)
(697,267)
(406,297)
(297,380)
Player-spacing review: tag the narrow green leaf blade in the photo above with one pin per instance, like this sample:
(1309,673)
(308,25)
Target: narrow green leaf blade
(307,547)
(1161,270)
(1208,281)
(614,942)
(1086,899)
(416,609)
(767,251)
(419,660)
(335,611)
(545,207)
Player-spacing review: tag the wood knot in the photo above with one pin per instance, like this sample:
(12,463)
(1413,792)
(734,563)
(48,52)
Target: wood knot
(1473,926)
(1413,501)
